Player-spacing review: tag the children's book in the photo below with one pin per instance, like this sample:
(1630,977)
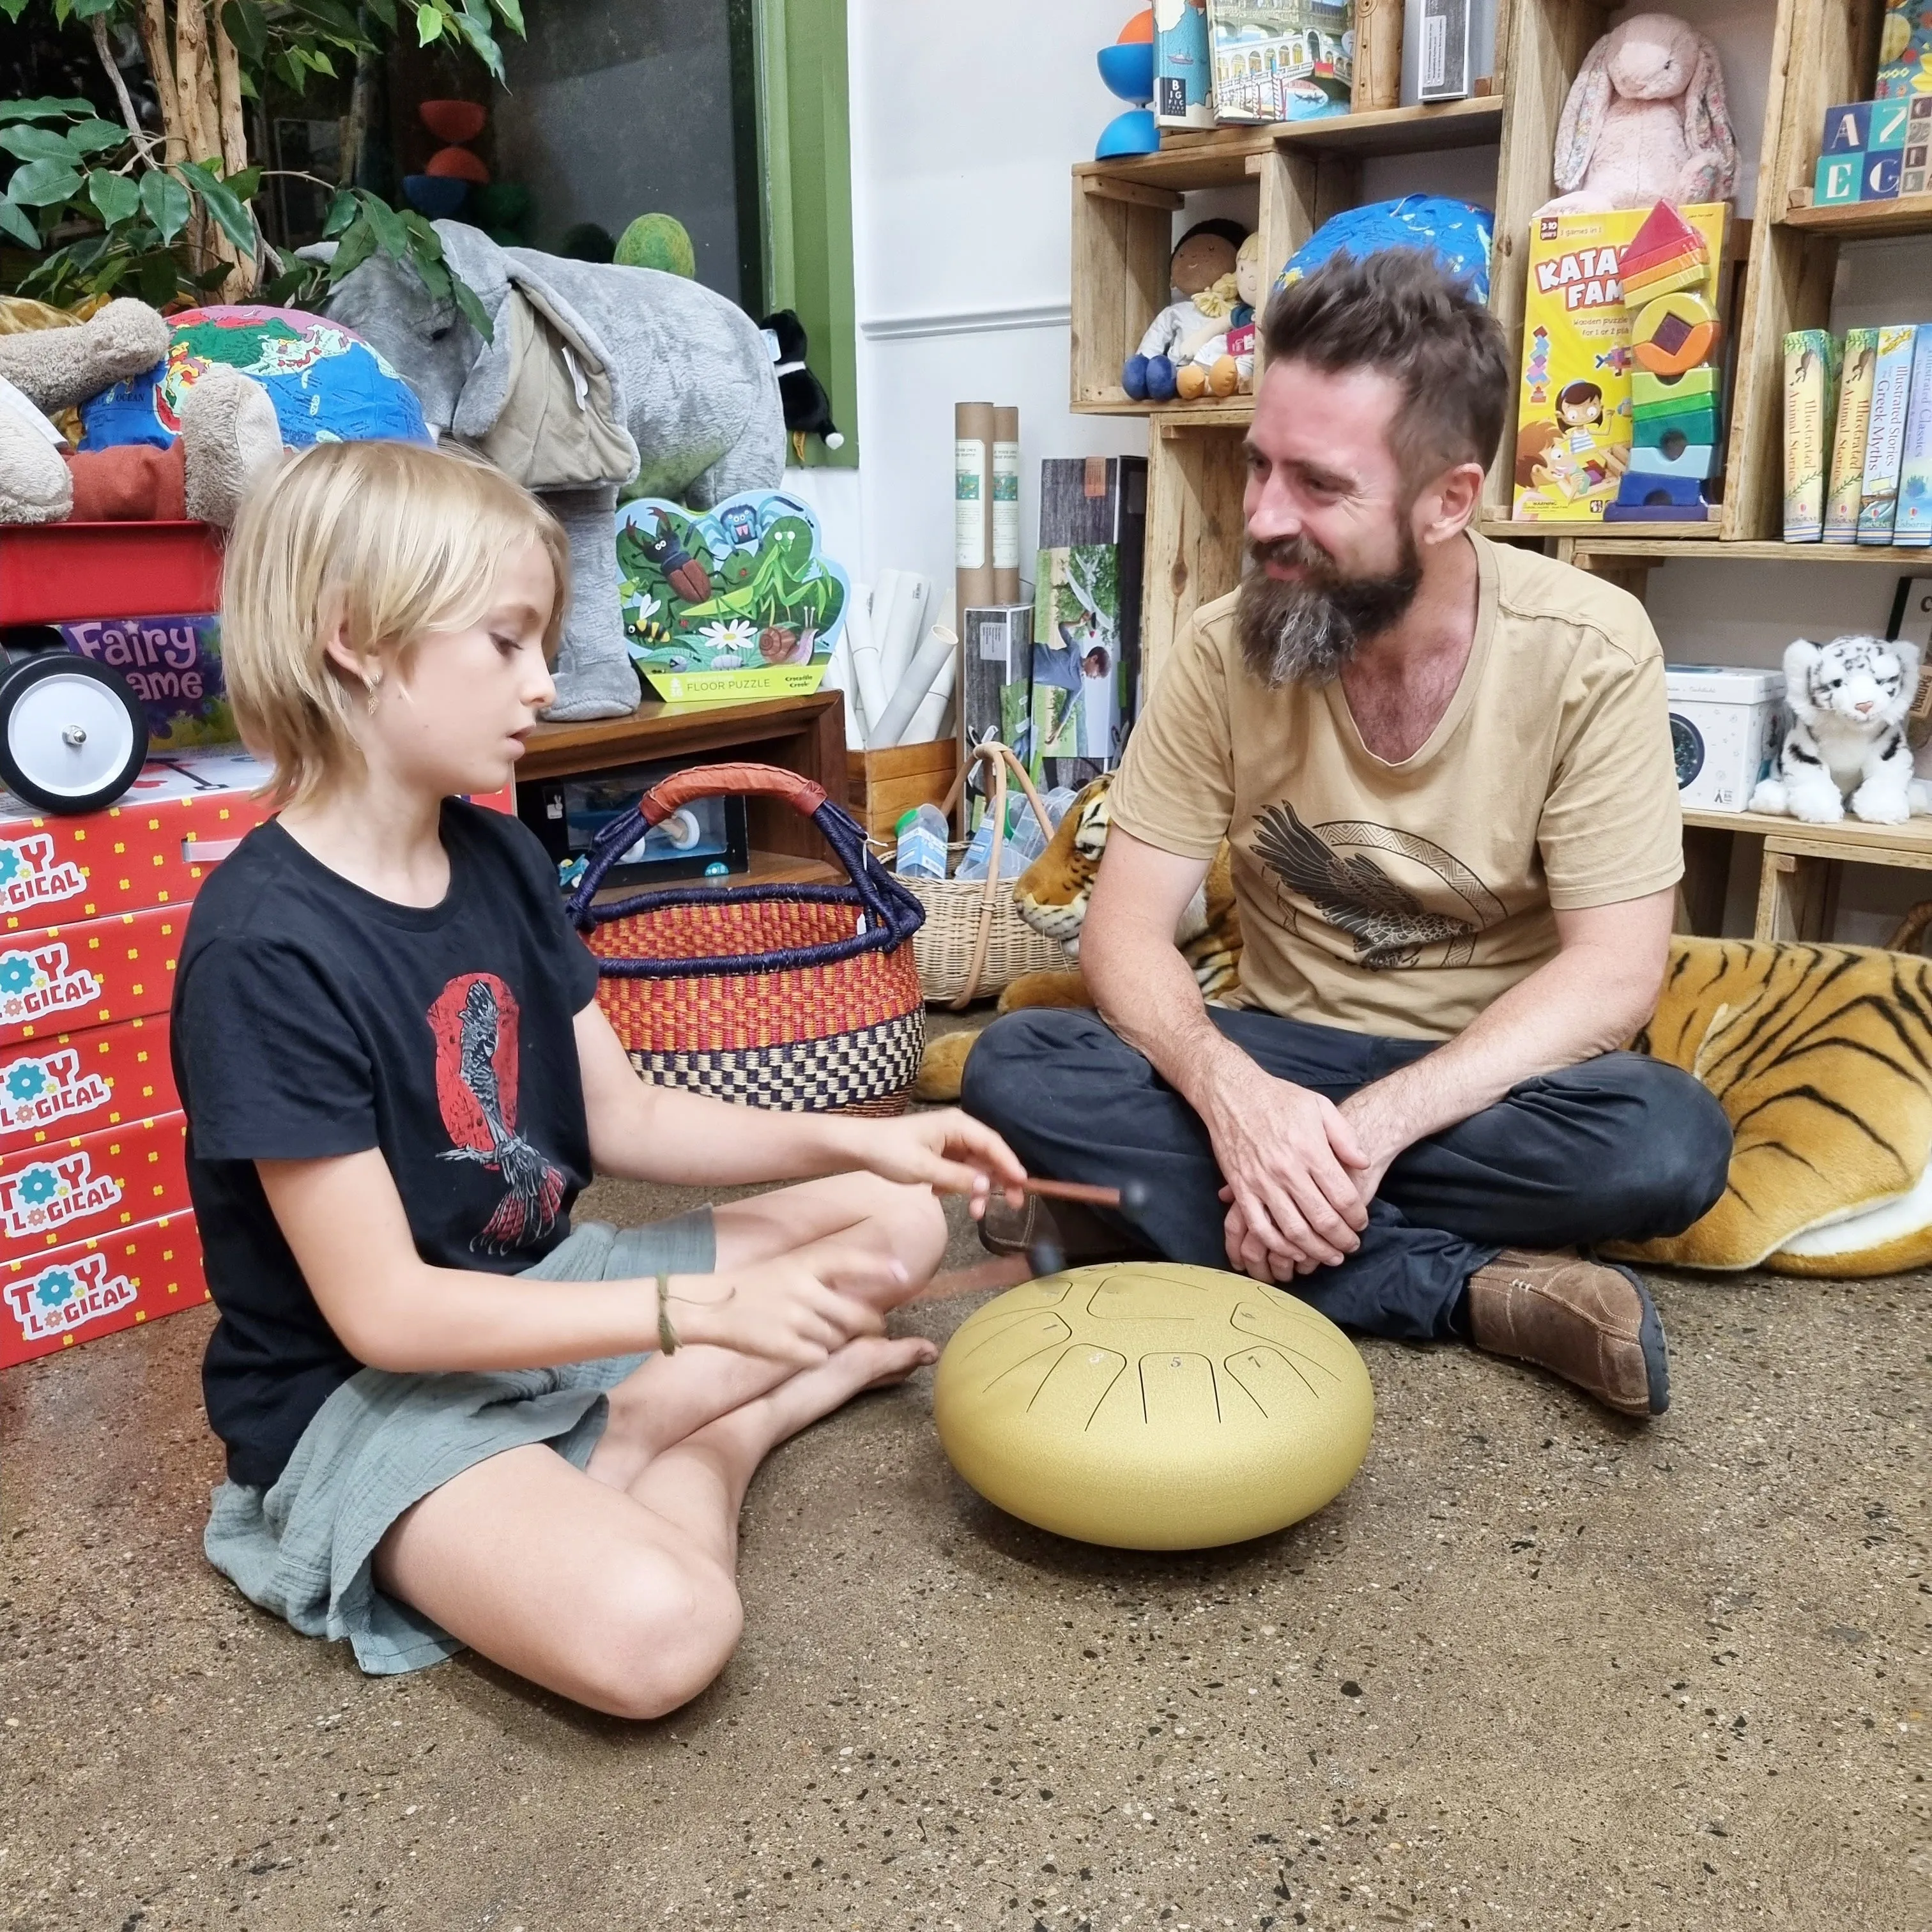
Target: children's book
(1574,420)
(1282,60)
(1184,64)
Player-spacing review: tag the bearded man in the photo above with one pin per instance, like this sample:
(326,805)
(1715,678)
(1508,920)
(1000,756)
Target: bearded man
(1444,767)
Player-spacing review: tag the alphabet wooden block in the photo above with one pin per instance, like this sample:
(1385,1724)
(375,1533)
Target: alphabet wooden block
(1847,128)
(1835,184)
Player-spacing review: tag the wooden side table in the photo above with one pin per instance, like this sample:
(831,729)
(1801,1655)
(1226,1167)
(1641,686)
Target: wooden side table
(805,735)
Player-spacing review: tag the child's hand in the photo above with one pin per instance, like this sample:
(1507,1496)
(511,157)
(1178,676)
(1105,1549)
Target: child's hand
(795,1309)
(949,1152)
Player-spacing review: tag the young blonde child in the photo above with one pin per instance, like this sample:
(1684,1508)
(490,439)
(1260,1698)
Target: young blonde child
(442,1425)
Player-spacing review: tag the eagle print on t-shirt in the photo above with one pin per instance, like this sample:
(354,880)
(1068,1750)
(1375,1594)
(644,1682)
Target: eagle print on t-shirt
(474,1019)
(1389,925)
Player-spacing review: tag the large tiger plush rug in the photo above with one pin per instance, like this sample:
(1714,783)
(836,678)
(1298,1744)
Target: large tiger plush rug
(1821,1057)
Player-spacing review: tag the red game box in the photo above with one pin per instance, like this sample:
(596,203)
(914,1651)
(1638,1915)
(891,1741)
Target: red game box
(180,817)
(92,1184)
(87,1289)
(78,1083)
(89,975)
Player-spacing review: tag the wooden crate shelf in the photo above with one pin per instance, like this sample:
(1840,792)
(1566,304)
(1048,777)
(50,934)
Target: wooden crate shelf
(805,735)
(1779,276)
(1862,220)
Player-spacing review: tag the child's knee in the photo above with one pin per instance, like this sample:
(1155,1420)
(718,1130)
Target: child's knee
(909,1219)
(662,1634)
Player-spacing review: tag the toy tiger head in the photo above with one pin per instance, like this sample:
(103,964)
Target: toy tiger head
(1053,893)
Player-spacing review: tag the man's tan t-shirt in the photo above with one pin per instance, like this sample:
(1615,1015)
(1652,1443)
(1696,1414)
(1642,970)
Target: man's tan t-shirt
(1403,898)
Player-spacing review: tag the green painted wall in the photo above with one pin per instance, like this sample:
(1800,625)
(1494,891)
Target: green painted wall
(804,131)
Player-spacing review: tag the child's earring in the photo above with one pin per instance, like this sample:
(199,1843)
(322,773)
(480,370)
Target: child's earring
(372,685)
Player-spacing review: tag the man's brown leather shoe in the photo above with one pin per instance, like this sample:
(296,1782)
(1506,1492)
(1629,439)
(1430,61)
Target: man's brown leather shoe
(1067,1229)
(1591,1323)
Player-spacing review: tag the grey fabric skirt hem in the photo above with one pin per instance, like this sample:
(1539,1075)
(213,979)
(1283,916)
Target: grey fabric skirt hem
(305,1548)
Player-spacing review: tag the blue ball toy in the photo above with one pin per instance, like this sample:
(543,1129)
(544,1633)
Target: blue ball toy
(1458,233)
(1159,380)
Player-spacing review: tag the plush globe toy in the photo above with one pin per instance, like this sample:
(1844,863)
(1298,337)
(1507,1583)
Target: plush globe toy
(658,241)
(328,386)
(1457,233)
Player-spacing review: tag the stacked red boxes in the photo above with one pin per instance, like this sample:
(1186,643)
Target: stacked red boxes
(97,1231)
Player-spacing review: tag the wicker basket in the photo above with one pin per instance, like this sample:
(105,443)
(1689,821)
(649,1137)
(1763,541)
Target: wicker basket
(973,945)
(803,999)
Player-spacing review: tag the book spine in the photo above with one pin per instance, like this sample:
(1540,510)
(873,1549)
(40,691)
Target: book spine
(1911,527)
(1846,482)
(1809,355)
(1885,440)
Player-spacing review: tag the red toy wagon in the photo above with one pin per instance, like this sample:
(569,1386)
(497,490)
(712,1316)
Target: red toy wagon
(72,734)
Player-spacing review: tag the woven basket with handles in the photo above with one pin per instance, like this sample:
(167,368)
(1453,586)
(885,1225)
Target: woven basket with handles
(803,999)
(973,945)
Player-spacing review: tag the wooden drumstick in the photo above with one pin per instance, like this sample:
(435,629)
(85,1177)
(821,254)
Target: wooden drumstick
(1132,1196)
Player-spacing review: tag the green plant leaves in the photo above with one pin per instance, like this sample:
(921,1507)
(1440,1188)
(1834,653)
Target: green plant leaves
(247,29)
(44,107)
(14,222)
(221,201)
(115,197)
(37,144)
(165,203)
(42,184)
(429,25)
(342,210)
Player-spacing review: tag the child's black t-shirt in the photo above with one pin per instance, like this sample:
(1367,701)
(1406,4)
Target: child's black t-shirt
(313,1018)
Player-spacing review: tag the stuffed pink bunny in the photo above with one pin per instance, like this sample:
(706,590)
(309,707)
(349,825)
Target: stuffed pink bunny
(1646,121)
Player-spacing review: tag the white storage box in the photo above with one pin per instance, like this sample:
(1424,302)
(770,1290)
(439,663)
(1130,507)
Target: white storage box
(1724,728)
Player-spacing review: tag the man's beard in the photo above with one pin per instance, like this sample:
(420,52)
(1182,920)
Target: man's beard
(1306,631)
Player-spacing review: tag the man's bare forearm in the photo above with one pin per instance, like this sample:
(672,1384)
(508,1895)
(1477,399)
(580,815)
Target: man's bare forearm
(1585,1001)
(1145,991)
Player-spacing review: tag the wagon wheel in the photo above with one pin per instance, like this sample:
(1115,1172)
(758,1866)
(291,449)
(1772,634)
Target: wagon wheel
(73,735)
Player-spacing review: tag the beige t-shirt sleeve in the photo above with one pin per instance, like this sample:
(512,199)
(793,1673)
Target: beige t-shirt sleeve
(1176,787)
(1612,829)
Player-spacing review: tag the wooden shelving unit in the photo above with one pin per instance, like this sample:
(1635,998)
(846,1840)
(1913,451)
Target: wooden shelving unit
(1780,266)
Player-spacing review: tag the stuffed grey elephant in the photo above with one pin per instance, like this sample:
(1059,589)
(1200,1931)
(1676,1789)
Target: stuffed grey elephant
(596,374)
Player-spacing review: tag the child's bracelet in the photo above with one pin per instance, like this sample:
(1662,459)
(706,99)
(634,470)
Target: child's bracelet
(667,1334)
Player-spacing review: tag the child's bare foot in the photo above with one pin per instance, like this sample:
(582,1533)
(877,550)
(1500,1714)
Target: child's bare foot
(873,1361)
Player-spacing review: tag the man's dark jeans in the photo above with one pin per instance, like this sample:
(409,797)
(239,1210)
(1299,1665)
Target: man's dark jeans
(1621,1147)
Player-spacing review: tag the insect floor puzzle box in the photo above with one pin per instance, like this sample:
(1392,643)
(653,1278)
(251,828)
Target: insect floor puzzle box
(737,602)
(1573,419)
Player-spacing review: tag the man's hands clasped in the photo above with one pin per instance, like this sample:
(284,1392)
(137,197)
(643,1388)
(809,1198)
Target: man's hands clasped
(1299,1173)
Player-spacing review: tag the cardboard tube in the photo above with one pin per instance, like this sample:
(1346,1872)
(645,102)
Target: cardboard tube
(865,670)
(972,488)
(939,651)
(932,718)
(838,677)
(899,629)
(1005,506)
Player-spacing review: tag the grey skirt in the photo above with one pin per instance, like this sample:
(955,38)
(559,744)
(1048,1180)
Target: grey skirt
(305,1548)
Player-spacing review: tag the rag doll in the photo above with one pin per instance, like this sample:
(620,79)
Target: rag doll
(1646,121)
(1846,743)
(1224,365)
(1201,270)
(228,426)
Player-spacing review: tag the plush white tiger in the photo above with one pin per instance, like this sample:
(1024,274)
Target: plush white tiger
(1846,740)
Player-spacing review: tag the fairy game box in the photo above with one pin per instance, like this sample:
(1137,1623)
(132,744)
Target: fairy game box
(1573,415)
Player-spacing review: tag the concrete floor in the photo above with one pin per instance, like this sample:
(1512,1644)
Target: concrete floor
(1536,1667)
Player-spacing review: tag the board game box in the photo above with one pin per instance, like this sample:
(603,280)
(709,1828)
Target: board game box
(1573,418)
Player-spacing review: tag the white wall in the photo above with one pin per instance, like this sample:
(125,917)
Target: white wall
(965,121)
